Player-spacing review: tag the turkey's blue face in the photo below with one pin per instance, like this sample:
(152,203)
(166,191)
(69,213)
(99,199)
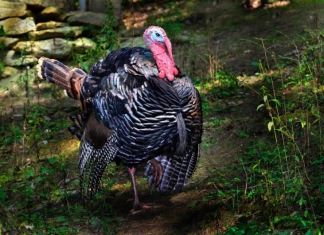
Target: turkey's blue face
(155,35)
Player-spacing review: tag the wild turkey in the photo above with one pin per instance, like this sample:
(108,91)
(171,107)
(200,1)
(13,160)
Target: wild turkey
(137,108)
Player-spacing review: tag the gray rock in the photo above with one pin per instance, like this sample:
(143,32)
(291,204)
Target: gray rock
(13,5)
(57,48)
(51,12)
(133,42)
(12,9)
(44,3)
(81,45)
(15,59)
(8,42)
(73,31)
(50,25)
(11,86)
(17,26)
(231,103)
(9,71)
(100,6)
(186,38)
(84,17)
(134,32)
(18,116)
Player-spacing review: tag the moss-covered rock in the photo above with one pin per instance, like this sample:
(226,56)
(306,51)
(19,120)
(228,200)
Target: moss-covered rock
(17,26)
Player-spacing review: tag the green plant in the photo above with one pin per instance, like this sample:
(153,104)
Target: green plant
(244,226)
(297,138)
(2,47)
(38,176)
(105,38)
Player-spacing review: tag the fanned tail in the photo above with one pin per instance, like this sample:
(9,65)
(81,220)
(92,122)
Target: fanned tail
(175,172)
(58,73)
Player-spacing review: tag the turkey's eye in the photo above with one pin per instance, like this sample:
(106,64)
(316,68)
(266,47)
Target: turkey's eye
(157,34)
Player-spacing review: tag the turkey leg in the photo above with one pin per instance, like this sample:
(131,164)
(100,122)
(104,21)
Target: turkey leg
(136,204)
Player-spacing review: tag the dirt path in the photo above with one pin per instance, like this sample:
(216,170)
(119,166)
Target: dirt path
(188,212)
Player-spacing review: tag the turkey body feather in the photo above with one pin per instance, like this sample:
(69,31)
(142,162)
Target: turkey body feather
(133,116)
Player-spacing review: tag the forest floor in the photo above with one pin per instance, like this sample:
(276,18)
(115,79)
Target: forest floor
(232,122)
(235,40)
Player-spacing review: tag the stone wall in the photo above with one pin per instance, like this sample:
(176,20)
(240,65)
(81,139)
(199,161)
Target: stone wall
(35,28)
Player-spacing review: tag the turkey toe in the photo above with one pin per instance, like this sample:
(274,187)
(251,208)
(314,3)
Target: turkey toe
(141,206)
(157,171)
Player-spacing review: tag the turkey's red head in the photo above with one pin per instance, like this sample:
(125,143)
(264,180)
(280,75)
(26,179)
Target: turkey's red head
(157,41)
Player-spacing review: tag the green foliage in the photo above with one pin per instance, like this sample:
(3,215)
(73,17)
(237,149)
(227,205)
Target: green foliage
(244,226)
(169,20)
(38,172)
(2,195)
(105,38)
(44,204)
(2,47)
(275,187)
(281,181)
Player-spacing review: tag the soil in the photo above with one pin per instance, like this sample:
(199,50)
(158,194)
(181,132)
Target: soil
(239,38)
(235,38)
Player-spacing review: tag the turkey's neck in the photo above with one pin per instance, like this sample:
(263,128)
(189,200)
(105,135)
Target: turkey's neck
(159,53)
(164,62)
(157,49)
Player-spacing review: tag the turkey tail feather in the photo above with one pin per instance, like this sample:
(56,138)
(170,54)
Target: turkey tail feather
(56,72)
(92,164)
(175,172)
(180,151)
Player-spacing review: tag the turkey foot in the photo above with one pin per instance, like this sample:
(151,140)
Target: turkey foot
(140,206)
(157,171)
(137,205)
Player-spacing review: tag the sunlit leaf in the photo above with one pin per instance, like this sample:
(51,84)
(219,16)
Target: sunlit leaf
(268,79)
(143,180)
(221,193)
(260,106)
(284,132)
(277,101)
(270,125)
(255,165)
(303,123)
(52,160)
(309,232)
(317,161)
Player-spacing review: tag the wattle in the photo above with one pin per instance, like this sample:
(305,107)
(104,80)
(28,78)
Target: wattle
(165,66)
